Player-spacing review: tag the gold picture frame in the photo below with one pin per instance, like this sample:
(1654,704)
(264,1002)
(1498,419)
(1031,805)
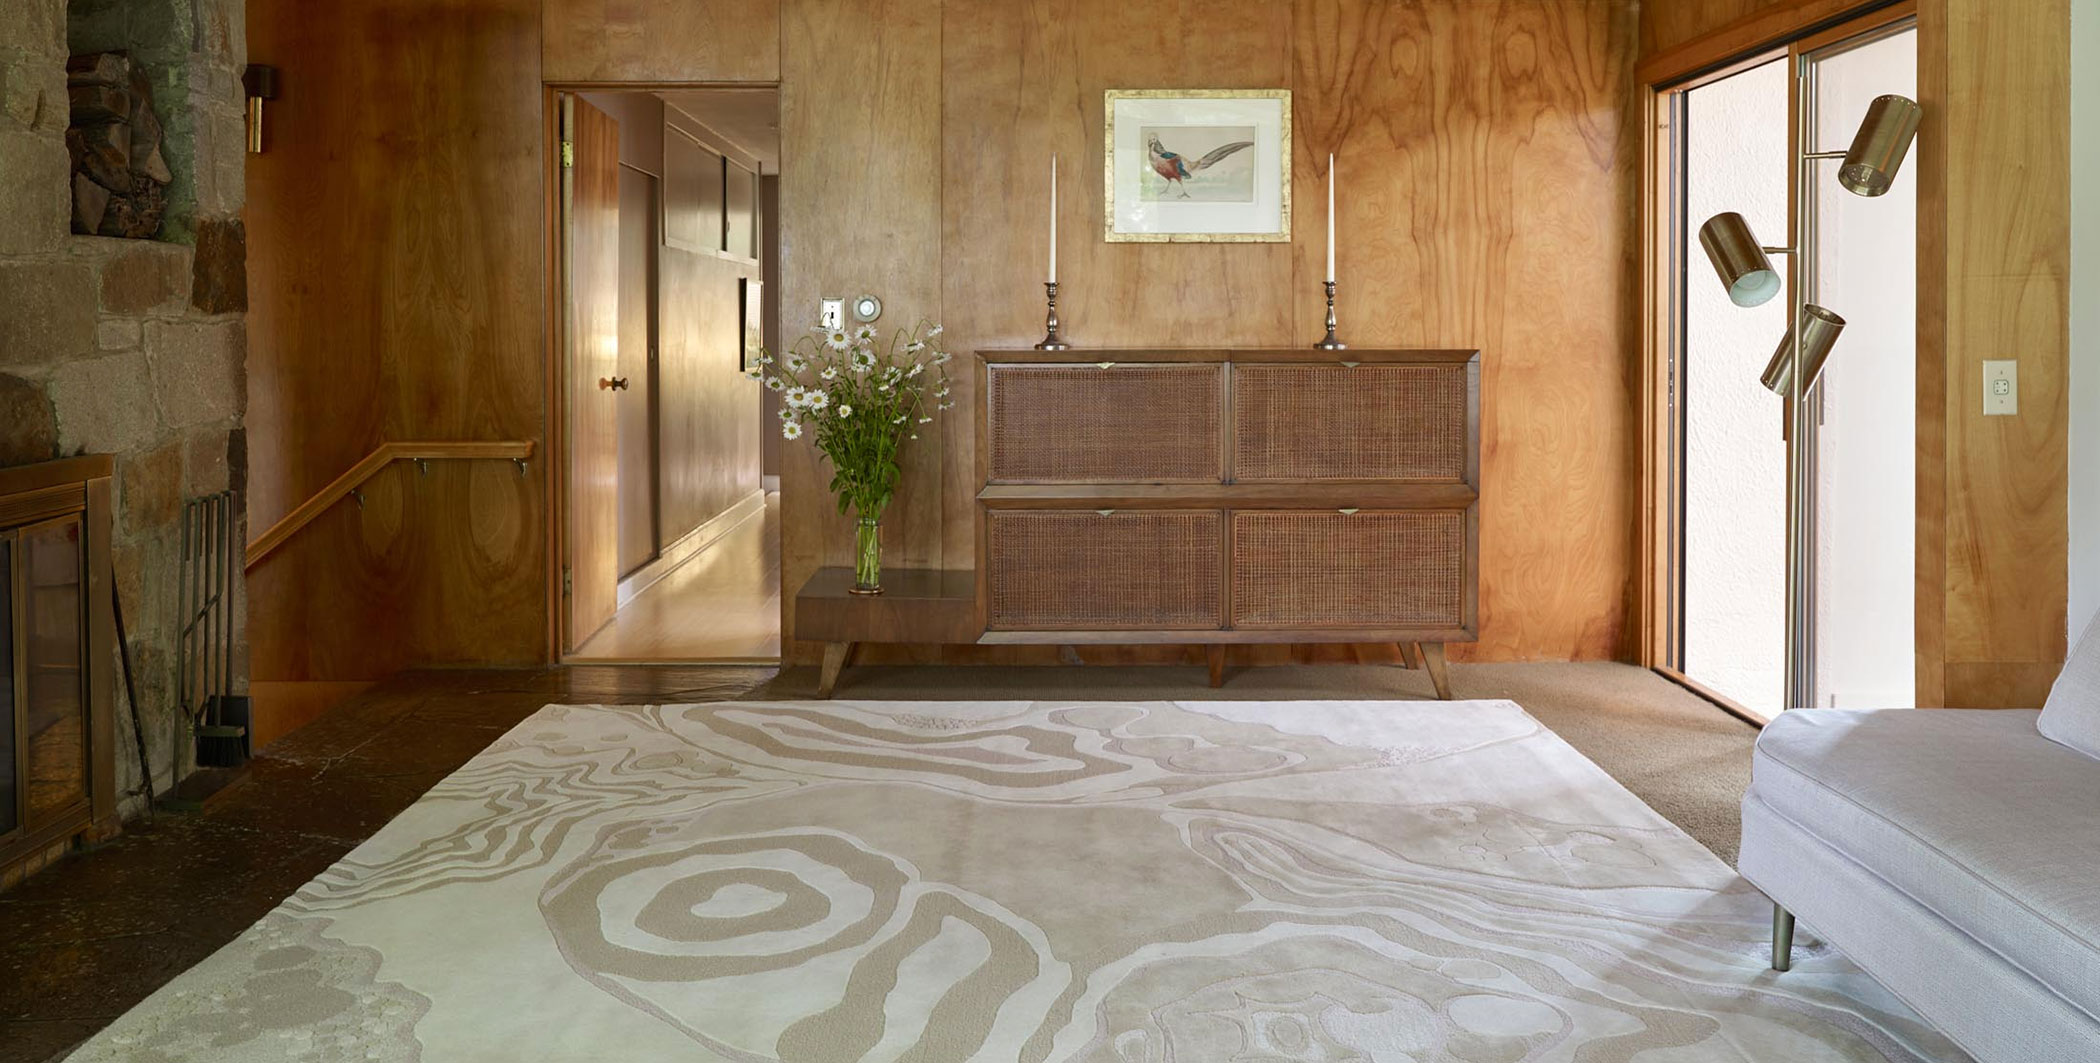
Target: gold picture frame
(1271,158)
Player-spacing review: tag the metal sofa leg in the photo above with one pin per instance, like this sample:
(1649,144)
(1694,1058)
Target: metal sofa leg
(1782,939)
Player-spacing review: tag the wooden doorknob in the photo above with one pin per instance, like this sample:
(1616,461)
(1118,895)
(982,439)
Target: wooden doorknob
(613,383)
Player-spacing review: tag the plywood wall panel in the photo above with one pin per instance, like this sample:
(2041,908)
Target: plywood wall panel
(390,302)
(661,40)
(860,211)
(1486,172)
(1029,85)
(2002,101)
(1668,23)
(709,409)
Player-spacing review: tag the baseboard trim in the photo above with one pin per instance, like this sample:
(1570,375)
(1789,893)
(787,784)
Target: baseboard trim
(690,545)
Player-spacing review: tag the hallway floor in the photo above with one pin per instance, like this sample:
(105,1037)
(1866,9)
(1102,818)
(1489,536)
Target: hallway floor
(721,606)
(86,939)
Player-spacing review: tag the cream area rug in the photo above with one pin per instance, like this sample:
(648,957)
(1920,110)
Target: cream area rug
(1203,882)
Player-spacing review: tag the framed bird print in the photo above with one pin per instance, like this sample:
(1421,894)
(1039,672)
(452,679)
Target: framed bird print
(1198,166)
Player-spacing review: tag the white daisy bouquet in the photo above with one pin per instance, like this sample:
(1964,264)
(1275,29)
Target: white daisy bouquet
(861,402)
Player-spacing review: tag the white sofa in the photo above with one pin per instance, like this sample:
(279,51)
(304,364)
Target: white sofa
(1953,854)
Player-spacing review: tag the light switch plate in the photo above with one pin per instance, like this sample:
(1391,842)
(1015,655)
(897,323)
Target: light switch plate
(2001,387)
(831,312)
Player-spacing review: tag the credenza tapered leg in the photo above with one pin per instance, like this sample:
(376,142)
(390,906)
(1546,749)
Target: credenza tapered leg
(1216,654)
(835,654)
(1410,657)
(1432,654)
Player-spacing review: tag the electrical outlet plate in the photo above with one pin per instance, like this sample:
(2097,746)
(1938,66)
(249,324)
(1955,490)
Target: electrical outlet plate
(2001,387)
(831,312)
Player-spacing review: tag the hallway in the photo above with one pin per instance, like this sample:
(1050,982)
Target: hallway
(722,606)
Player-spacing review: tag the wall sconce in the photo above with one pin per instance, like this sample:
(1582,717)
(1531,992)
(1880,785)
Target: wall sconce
(261,84)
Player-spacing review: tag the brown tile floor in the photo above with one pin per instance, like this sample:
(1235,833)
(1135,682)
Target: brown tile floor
(88,938)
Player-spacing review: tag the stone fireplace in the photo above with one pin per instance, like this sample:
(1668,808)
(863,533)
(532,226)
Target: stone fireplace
(128,347)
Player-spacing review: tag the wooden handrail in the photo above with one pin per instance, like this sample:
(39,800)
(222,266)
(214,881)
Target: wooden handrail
(367,467)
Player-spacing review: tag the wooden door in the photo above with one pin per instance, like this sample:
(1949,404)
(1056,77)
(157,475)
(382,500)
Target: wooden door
(591,253)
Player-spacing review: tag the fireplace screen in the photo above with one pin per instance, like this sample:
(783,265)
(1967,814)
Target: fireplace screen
(56,640)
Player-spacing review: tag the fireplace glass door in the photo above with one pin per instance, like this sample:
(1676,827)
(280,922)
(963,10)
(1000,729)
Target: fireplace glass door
(52,632)
(10,772)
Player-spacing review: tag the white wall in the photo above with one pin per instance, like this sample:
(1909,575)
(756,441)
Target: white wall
(2085,313)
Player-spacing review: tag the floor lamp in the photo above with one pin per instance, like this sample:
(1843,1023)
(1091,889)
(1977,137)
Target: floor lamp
(1745,268)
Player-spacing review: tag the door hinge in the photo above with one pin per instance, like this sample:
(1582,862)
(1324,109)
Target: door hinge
(568,154)
(568,580)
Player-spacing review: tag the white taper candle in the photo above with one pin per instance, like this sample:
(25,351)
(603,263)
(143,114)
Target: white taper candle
(1330,217)
(1053,219)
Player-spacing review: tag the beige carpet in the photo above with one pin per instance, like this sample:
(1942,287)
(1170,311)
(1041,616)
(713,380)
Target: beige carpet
(1113,881)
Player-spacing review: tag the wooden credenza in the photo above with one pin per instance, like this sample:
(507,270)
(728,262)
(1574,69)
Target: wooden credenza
(1231,496)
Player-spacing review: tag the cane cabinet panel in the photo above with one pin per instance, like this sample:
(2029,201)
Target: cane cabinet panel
(1294,423)
(1384,570)
(1112,423)
(1113,570)
(1230,496)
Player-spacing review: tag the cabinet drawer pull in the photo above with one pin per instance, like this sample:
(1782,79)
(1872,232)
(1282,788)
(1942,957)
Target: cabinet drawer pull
(1105,365)
(1350,512)
(1105,512)
(1351,365)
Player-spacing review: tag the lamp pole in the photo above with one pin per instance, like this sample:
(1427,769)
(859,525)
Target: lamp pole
(1801,428)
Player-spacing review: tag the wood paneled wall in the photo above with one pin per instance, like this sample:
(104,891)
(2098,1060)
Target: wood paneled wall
(1995,283)
(1487,186)
(395,272)
(709,416)
(1666,24)
(661,40)
(860,210)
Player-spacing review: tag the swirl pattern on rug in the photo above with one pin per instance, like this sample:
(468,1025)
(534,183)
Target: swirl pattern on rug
(1099,881)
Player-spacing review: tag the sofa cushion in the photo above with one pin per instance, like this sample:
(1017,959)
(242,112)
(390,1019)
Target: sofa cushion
(1972,813)
(2072,715)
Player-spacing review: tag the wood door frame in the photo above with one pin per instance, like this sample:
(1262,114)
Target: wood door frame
(553,354)
(1777,33)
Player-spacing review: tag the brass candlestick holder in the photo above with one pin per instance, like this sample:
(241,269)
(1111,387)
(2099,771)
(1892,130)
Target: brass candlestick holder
(1053,340)
(1330,343)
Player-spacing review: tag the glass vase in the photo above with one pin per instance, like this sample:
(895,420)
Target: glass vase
(867,555)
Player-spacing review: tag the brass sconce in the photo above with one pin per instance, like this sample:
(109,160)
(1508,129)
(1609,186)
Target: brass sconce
(261,84)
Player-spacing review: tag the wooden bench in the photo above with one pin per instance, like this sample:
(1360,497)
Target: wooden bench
(917,605)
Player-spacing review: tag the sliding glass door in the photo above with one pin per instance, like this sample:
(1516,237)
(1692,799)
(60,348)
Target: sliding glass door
(1731,142)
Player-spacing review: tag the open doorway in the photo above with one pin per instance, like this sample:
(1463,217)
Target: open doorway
(669,508)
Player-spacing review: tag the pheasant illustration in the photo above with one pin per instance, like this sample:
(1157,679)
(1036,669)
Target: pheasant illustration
(1175,169)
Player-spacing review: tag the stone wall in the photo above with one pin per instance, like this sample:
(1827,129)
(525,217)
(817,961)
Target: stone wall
(134,348)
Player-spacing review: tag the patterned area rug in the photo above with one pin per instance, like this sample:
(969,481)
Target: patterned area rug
(1189,882)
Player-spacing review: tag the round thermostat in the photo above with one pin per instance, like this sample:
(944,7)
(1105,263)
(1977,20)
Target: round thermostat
(867,308)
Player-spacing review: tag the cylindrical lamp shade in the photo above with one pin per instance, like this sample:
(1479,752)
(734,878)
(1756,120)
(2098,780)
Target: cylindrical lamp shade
(1881,144)
(1819,336)
(1745,270)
